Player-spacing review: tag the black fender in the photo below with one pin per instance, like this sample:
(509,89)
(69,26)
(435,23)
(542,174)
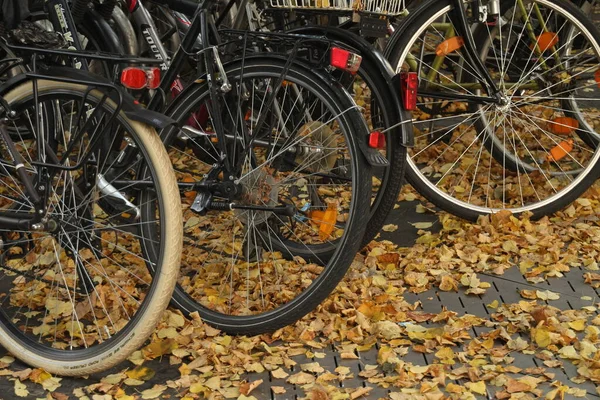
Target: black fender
(101,31)
(374,59)
(372,156)
(118,94)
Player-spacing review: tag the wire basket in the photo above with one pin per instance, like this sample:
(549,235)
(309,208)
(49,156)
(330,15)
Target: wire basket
(381,7)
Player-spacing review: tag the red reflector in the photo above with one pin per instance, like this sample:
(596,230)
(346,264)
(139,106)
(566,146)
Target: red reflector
(409,83)
(131,5)
(153,78)
(344,59)
(140,78)
(376,140)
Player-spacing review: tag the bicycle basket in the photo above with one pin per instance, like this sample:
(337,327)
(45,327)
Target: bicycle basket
(381,7)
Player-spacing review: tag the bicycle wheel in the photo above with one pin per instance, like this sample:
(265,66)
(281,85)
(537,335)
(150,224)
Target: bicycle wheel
(77,293)
(250,270)
(526,152)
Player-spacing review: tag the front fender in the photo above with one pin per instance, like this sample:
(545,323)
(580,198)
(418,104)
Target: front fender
(371,59)
(118,94)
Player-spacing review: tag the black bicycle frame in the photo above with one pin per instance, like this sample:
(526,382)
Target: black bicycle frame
(62,21)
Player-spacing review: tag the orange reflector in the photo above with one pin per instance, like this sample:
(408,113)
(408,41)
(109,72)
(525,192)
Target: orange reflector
(563,125)
(597,77)
(449,45)
(560,151)
(546,40)
(326,220)
(248,115)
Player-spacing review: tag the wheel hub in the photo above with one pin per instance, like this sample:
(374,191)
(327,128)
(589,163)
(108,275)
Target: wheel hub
(261,189)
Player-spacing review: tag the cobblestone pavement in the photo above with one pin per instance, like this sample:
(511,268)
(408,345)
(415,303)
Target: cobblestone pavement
(504,289)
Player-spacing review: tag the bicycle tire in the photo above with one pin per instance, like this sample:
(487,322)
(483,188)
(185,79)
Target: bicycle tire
(338,260)
(98,356)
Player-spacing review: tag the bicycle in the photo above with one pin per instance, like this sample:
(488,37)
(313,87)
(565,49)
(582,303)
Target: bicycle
(372,87)
(82,224)
(505,117)
(271,156)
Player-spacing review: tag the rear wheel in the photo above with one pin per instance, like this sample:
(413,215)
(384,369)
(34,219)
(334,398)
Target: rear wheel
(250,270)
(78,295)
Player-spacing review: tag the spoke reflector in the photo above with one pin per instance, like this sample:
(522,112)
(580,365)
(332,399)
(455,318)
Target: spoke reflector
(449,45)
(563,125)
(325,219)
(560,151)
(546,40)
(597,77)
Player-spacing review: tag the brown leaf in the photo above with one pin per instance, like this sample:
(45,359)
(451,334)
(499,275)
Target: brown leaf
(448,283)
(246,388)
(514,386)
(318,393)
(360,392)
(539,314)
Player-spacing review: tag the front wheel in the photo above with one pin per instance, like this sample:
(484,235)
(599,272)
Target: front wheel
(526,153)
(252,269)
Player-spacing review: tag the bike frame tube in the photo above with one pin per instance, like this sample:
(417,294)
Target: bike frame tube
(146,26)
(62,21)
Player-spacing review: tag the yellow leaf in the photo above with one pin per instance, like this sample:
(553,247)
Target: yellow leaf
(418,369)
(568,352)
(477,387)
(314,367)
(389,228)
(213,383)
(141,373)
(577,325)
(154,392)
(542,336)
(422,225)
(198,388)
(546,295)
(113,379)
(20,389)
(301,378)
(279,374)
(176,320)
(493,304)
(278,389)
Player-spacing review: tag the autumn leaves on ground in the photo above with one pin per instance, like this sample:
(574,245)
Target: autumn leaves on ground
(368,311)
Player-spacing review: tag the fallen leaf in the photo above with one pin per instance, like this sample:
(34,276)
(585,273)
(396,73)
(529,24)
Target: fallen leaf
(389,228)
(247,387)
(20,389)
